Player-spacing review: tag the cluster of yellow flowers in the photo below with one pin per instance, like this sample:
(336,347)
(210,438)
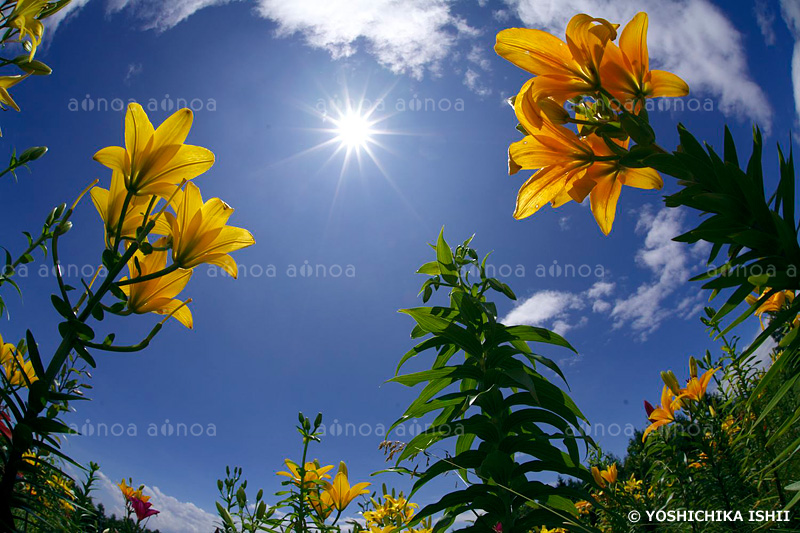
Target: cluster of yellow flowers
(155,166)
(391,515)
(673,397)
(602,80)
(325,496)
(18,371)
(23,22)
(391,511)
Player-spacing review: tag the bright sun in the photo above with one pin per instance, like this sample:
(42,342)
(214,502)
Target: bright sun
(353,130)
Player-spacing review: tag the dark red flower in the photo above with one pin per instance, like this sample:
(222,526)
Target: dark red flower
(5,423)
(648,408)
(142,509)
(498,528)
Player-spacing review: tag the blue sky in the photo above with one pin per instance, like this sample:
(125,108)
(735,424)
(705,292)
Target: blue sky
(258,74)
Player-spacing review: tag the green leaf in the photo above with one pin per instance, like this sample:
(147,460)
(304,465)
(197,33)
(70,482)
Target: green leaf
(444,257)
(61,307)
(430,269)
(432,321)
(638,128)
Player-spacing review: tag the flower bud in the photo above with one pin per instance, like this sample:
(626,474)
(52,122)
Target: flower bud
(554,112)
(648,407)
(669,379)
(693,367)
(597,478)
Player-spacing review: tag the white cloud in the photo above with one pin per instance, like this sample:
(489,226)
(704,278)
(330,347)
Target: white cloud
(543,307)
(479,56)
(790,11)
(555,309)
(692,38)
(175,516)
(52,23)
(407,36)
(765,19)
(472,80)
(134,69)
(160,15)
(600,289)
(671,264)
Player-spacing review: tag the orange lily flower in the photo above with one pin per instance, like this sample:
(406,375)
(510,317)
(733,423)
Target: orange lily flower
(625,69)
(665,413)
(561,158)
(532,110)
(604,180)
(608,475)
(569,170)
(773,304)
(696,387)
(563,69)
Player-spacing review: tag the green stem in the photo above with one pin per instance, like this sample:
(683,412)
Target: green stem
(147,277)
(118,234)
(59,277)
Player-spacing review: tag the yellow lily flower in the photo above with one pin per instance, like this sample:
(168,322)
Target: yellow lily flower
(604,180)
(15,367)
(340,492)
(154,162)
(583,507)
(633,484)
(65,489)
(130,492)
(157,295)
(321,504)
(625,69)
(23,18)
(608,475)
(108,203)
(313,473)
(773,304)
(200,234)
(556,530)
(696,387)
(563,69)
(664,414)
(6,82)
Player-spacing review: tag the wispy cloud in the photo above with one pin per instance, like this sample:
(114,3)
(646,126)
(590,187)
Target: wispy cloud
(134,69)
(671,265)
(692,38)
(642,311)
(407,36)
(160,15)
(765,18)
(52,23)
(790,11)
